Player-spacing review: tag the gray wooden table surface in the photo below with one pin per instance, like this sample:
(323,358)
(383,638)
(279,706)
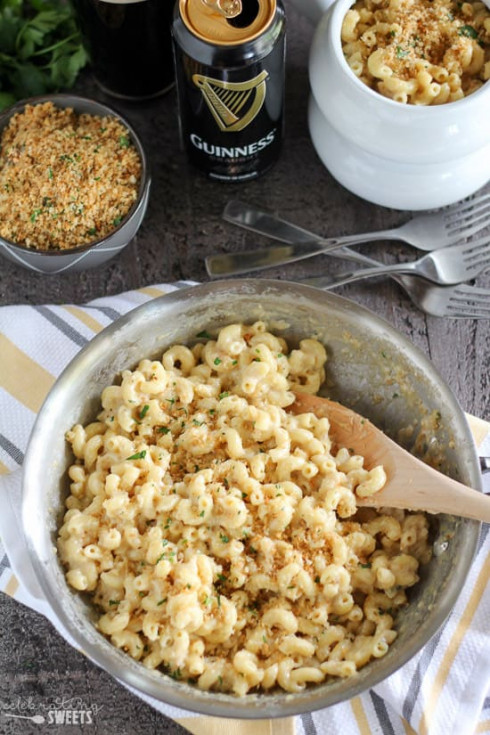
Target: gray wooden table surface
(182,225)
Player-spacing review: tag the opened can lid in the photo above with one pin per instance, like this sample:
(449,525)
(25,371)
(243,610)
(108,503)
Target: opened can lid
(208,24)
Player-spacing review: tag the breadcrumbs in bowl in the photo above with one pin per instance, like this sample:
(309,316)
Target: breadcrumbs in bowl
(73,183)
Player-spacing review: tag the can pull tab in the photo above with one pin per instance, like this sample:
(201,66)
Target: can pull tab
(226,8)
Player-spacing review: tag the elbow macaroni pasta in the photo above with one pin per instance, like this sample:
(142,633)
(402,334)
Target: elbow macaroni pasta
(217,534)
(421,52)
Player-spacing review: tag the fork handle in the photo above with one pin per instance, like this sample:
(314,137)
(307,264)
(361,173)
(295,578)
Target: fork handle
(327,282)
(269,225)
(246,261)
(258,221)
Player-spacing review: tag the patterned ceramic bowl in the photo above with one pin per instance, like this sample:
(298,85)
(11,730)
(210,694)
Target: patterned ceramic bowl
(95,253)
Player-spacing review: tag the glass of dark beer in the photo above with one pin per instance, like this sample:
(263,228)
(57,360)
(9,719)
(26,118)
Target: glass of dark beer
(129,44)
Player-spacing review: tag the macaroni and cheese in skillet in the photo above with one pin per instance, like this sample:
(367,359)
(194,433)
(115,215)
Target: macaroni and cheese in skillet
(218,535)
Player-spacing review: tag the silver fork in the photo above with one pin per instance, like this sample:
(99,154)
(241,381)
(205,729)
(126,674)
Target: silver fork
(426,232)
(454,264)
(460,302)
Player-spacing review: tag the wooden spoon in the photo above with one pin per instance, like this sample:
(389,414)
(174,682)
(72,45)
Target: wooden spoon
(411,484)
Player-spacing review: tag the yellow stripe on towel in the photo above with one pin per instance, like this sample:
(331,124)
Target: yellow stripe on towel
(360,715)
(85,318)
(22,377)
(483,727)
(479,428)
(408,728)
(222,726)
(12,586)
(452,649)
(152,291)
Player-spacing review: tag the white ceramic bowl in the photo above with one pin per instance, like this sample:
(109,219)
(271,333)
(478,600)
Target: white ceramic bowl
(95,253)
(402,156)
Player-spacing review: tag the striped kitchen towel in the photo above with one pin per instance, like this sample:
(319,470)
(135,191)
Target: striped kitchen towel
(443,690)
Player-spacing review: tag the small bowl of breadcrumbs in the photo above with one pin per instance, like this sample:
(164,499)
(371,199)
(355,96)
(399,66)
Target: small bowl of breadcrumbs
(74,183)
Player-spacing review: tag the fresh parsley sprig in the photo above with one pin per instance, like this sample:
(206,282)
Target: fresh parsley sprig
(40,48)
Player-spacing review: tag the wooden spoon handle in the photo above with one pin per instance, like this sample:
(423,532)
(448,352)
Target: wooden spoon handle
(429,490)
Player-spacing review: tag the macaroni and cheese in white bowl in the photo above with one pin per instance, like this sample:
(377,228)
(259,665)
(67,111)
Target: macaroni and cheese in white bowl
(400,98)
(201,543)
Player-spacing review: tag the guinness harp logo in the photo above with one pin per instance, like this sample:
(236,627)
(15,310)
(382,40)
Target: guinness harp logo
(233,104)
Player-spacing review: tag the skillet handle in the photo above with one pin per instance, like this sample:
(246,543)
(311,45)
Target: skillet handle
(485,464)
(30,592)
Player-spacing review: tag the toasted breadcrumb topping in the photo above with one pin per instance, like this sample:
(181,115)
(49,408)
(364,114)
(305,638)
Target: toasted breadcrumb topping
(440,49)
(66,179)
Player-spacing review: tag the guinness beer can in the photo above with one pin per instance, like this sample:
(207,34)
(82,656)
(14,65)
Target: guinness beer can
(229,66)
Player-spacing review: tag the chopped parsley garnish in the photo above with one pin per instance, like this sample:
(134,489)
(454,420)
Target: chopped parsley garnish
(144,411)
(138,455)
(124,141)
(225,539)
(163,430)
(217,361)
(225,394)
(400,54)
(468,31)
(203,335)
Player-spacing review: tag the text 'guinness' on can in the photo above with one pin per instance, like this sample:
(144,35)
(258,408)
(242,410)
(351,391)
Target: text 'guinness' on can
(230,82)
